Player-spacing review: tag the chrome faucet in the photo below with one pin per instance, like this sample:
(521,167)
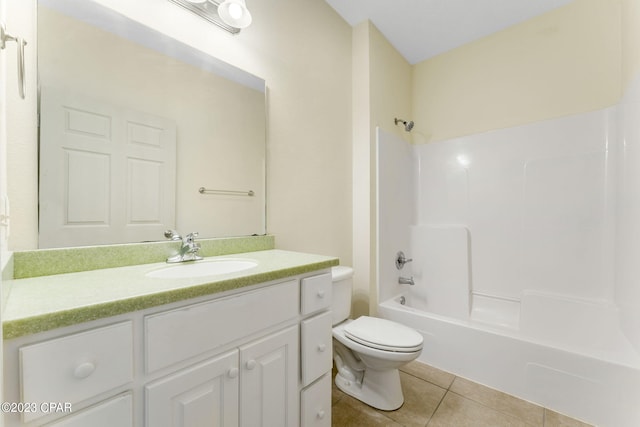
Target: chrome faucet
(188,250)
(401,260)
(406,281)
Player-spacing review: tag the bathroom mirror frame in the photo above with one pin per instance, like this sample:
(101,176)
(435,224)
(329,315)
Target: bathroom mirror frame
(216,207)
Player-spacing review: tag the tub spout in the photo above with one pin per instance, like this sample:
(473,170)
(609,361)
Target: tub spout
(406,280)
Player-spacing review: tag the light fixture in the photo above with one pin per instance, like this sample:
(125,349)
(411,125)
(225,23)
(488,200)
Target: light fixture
(235,13)
(230,15)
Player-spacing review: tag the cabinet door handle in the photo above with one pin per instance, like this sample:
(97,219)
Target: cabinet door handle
(321,348)
(83,370)
(320,293)
(320,414)
(232,373)
(251,364)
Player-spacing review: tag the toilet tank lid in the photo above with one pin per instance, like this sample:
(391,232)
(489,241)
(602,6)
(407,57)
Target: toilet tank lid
(341,272)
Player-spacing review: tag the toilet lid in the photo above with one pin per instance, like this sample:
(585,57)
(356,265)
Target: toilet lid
(383,334)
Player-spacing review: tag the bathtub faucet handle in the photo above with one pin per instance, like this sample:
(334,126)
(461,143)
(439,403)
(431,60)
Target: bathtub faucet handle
(401,260)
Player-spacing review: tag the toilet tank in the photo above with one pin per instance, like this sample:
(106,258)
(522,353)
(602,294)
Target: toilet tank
(342,278)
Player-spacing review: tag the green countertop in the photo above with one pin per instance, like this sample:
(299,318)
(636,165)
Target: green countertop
(43,303)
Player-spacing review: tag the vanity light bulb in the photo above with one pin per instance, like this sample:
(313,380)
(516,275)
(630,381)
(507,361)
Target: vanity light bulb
(235,13)
(235,10)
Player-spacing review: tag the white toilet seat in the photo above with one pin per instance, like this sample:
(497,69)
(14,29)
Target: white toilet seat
(383,335)
(367,366)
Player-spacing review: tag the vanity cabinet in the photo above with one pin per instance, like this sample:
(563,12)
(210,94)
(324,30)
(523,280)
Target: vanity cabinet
(315,404)
(205,394)
(259,356)
(251,386)
(316,351)
(117,411)
(73,368)
(269,381)
(188,332)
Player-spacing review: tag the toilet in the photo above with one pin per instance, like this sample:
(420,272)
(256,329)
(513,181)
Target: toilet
(368,351)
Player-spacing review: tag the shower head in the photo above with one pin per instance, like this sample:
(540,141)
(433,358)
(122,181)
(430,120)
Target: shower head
(407,125)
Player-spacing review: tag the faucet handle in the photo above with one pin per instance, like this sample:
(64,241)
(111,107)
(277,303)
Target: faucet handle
(191,236)
(172,234)
(401,260)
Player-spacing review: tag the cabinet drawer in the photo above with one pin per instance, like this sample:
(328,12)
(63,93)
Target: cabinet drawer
(178,335)
(315,403)
(76,367)
(316,293)
(113,412)
(316,347)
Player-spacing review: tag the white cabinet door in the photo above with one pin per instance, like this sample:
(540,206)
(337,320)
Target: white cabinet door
(269,381)
(203,395)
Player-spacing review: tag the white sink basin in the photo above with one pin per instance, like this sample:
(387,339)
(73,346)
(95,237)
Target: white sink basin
(202,268)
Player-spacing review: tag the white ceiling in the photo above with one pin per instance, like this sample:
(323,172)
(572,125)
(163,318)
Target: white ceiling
(420,29)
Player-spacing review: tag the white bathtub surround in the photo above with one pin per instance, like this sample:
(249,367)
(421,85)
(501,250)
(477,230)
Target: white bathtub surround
(524,241)
(396,207)
(442,252)
(534,199)
(627,290)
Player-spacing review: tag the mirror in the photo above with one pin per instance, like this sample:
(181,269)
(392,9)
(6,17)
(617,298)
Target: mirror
(133,124)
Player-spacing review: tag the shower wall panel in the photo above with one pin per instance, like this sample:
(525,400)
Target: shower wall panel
(536,200)
(396,210)
(627,288)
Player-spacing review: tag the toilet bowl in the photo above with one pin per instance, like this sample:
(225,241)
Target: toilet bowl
(368,351)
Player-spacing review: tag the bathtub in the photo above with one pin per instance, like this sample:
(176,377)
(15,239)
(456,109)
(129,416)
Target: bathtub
(584,368)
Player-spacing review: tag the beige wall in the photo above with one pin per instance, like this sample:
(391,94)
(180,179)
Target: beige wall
(4,86)
(363,255)
(3,151)
(564,62)
(382,92)
(302,48)
(22,150)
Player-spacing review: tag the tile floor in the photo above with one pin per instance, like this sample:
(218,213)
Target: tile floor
(434,398)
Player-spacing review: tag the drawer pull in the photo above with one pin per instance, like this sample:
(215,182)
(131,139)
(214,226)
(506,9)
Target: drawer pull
(251,364)
(83,370)
(321,348)
(320,414)
(233,372)
(320,293)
